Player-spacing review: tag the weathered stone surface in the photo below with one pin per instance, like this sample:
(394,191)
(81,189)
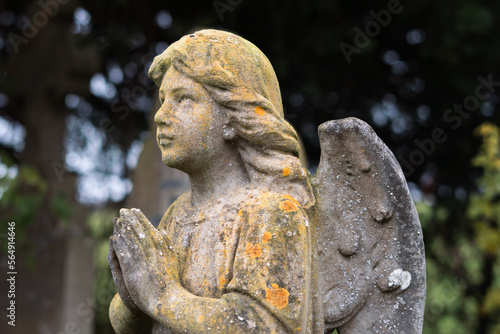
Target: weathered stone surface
(370,245)
(251,248)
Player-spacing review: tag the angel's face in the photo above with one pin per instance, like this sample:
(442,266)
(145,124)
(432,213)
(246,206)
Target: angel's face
(189,123)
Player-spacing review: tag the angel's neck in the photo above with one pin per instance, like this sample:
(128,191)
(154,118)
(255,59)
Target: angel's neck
(219,182)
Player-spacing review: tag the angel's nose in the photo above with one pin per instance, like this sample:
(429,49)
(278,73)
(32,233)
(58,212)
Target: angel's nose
(162,116)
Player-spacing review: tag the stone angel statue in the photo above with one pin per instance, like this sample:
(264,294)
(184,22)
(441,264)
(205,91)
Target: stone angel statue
(259,245)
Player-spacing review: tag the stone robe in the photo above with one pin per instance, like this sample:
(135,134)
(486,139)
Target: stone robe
(255,254)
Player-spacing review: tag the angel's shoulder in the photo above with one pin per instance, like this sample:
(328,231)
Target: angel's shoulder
(174,209)
(272,206)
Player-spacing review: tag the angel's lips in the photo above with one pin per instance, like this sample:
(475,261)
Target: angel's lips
(164,139)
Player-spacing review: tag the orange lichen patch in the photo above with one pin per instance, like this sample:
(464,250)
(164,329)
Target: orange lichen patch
(266,237)
(203,144)
(222,281)
(260,111)
(292,199)
(277,296)
(253,250)
(240,213)
(286,171)
(288,206)
(205,286)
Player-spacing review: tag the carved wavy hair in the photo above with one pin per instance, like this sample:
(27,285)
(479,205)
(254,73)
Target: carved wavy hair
(240,78)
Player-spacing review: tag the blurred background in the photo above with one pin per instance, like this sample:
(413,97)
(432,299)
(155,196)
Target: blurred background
(75,132)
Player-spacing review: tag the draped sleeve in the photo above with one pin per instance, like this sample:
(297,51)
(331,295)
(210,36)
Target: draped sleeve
(272,264)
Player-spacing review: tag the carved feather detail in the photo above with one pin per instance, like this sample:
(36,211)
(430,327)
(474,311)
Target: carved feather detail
(370,251)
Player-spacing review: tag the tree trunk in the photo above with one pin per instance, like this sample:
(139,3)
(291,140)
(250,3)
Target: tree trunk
(54,274)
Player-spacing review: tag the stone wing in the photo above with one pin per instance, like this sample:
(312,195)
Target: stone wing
(370,250)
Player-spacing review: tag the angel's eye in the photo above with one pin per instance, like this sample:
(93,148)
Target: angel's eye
(183,98)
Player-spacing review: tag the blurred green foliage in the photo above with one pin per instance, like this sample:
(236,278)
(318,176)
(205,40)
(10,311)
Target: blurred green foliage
(100,227)
(19,205)
(61,209)
(463,282)
(484,212)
